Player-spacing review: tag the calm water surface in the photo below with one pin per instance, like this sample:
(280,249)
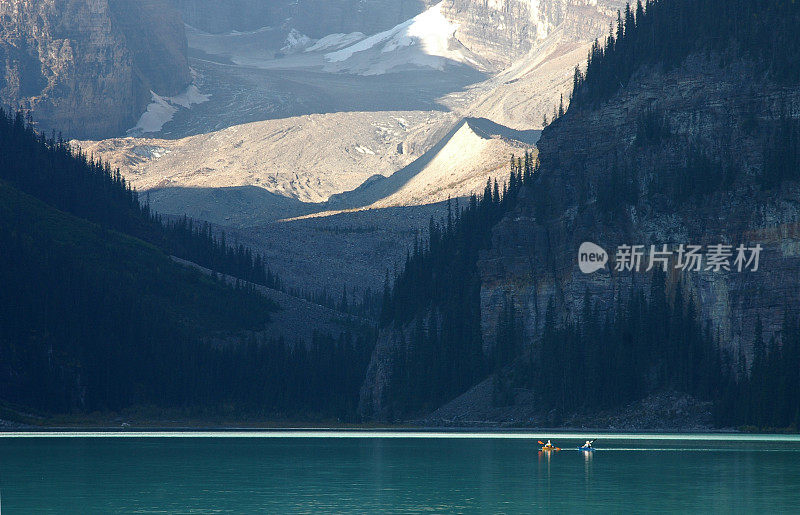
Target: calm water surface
(380,472)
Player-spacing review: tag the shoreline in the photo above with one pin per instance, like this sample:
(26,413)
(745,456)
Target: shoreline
(567,440)
(385,432)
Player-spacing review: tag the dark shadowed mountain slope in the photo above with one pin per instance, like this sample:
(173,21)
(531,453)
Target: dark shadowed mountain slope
(683,131)
(94,318)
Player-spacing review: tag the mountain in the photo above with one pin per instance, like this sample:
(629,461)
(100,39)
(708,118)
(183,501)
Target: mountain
(299,122)
(683,130)
(106,309)
(427,40)
(500,32)
(86,68)
(52,53)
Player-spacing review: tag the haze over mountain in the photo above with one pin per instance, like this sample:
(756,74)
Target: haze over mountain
(290,115)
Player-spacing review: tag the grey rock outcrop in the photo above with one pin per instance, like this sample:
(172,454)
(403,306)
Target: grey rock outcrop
(85,67)
(154,34)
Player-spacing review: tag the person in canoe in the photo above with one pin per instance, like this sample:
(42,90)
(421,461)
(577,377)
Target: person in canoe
(549,446)
(588,445)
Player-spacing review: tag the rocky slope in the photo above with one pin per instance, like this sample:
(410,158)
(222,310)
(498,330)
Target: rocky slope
(303,158)
(727,114)
(694,140)
(475,150)
(281,184)
(385,142)
(85,67)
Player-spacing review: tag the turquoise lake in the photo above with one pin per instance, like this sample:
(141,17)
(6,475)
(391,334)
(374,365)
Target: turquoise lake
(370,472)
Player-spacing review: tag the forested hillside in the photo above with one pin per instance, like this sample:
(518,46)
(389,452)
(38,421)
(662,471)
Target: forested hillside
(95,316)
(683,129)
(49,169)
(434,305)
(664,33)
(754,383)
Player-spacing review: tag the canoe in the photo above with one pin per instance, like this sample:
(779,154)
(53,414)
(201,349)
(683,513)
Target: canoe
(586,449)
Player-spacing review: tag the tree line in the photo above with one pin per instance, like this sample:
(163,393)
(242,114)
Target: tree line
(94,316)
(764,396)
(435,300)
(664,32)
(50,169)
(654,340)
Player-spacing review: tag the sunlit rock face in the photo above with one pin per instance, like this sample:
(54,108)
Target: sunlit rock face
(85,67)
(503,30)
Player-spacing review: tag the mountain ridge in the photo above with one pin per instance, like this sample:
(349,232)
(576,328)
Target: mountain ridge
(685,143)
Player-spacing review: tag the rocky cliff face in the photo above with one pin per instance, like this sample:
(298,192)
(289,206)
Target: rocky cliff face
(722,118)
(504,30)
(722,114)
(154,34)
(85,67)
(243,15)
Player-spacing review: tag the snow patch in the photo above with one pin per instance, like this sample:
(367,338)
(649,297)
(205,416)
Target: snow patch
(162,109)
(247,33)
(427,40)
(150,151)
(402,121)
(364,150)
(159,112)
(190,97)
(542,29)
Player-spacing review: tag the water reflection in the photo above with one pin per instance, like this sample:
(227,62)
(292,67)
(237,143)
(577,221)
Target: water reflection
(588,456)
